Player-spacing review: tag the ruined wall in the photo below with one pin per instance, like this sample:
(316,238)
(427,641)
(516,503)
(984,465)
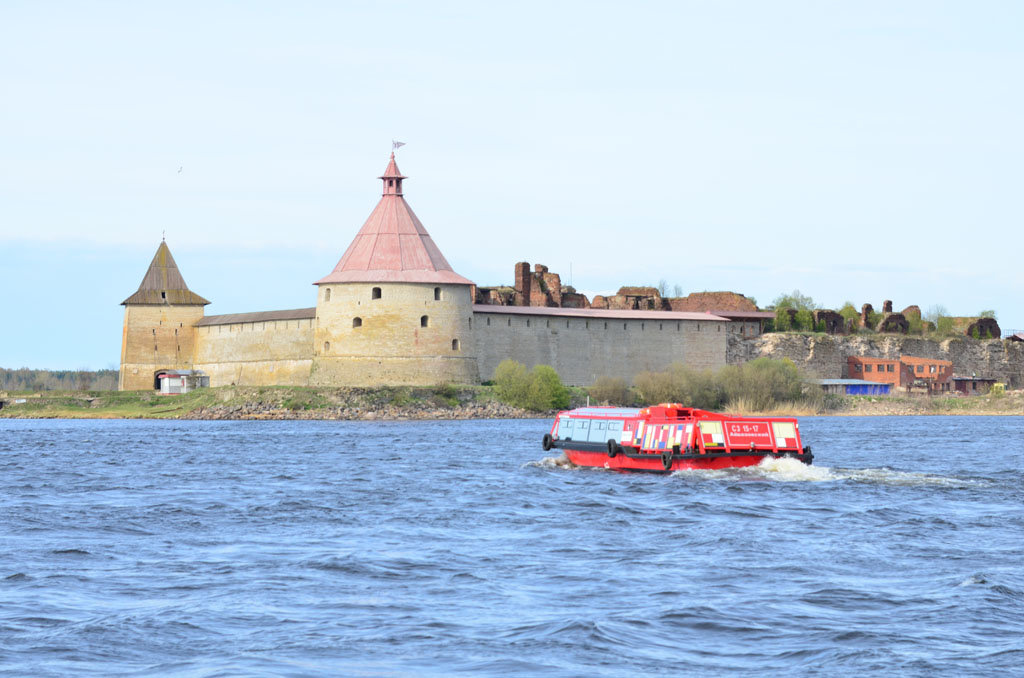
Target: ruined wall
(155,338)
(277,352)
(583,349)
(826,356)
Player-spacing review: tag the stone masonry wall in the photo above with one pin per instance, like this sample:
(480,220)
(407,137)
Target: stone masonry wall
(825,356)
(155,338)
(278,352)
(581,350)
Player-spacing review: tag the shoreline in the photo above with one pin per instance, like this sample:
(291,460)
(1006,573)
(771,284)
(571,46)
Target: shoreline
(440,403)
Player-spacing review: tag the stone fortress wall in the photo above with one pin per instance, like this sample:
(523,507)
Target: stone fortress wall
(582,348)
(257,352)
(393,312)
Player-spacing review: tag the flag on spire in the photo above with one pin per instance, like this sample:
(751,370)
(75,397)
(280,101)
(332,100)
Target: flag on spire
(395,145)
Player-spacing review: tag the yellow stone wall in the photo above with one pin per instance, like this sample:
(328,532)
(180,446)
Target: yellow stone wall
(391,346)
(277,352)
(156,338)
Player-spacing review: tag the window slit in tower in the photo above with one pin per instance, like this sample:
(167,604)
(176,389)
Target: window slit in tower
(424,321)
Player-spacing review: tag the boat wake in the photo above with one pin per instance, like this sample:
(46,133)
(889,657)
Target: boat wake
(793,470)
(788,470)
(561,461)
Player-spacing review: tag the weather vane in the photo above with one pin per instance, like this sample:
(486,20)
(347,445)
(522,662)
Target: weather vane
(395,145)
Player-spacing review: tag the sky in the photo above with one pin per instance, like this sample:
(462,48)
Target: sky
(853,151)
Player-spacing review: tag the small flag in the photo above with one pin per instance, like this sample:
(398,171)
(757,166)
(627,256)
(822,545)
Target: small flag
(395,145)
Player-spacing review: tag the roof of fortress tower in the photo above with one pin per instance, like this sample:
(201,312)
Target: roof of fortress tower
(163,284)
(393,246)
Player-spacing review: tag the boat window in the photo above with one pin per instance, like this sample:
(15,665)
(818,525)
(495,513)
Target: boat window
(712,432)
(782,431)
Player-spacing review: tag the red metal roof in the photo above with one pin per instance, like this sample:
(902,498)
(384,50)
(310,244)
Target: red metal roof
(393,245)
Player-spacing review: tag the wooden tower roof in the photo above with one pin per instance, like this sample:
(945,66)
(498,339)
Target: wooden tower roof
(163,284)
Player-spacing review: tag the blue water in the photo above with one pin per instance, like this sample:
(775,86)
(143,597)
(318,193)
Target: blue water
(444,548)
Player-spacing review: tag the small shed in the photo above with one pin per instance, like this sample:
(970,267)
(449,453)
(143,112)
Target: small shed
(175,382)
(853,387)
(973,385)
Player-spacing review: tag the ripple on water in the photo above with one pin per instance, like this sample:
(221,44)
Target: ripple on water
(437,548)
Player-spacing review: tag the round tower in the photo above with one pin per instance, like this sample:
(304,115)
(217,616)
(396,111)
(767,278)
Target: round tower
(393,312)
(159,325)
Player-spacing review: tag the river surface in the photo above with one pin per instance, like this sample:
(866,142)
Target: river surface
(461,548)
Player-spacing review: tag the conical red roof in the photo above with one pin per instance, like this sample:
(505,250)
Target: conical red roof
(393,246)
(163,285)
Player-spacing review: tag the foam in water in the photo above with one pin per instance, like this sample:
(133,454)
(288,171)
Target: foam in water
(788,470)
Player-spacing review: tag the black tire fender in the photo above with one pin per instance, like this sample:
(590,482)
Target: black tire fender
(613,448)
(546,442)
(666,459)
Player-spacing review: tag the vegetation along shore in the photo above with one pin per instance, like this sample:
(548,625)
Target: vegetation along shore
(762,386)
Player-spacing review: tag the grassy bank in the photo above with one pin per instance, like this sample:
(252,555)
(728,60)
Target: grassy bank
(441,402)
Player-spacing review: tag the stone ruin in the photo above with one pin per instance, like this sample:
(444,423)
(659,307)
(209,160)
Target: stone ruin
(984,328)
(833,322)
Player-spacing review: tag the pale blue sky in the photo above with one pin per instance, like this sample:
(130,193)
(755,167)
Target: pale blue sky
(856,151)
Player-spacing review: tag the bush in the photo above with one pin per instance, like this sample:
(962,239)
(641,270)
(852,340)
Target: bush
(546,391)
(610,390)
(538,390)
(512,382)
(762,383)
(679,384)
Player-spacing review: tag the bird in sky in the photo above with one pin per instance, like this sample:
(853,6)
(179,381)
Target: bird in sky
(179,170)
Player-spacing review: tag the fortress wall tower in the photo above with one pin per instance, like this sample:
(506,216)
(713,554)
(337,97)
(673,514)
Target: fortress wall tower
(159,325)
(393,312)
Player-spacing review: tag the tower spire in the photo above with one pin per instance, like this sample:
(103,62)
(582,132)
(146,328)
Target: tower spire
(392,178)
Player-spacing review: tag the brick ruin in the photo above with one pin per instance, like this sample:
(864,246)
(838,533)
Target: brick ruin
(541,287)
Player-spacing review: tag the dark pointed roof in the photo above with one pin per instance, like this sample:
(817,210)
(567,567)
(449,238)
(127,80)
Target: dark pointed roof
(163,284)
(393,246)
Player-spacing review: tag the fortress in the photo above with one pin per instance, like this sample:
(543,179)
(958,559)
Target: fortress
(393,312)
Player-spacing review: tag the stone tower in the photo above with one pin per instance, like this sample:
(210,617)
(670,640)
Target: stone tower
(159,325)
(393,312)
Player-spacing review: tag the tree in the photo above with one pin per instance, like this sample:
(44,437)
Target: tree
(850,313)
(935,312)
(987,314)
(677,290)
(663,287)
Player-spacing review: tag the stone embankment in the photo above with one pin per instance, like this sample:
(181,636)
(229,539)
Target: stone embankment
(825,355)
(384,412)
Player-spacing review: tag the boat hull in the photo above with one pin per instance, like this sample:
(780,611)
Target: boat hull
(655,463)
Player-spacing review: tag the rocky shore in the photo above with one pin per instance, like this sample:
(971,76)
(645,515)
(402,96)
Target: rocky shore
(490,410)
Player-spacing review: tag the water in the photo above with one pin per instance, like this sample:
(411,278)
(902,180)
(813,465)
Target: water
(444,548)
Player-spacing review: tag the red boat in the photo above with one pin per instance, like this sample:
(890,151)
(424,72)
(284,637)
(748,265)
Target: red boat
(670,437)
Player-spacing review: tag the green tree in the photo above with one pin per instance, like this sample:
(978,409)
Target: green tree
(987,314)
(546,391)
(512,383)
(802,304)
(850,313)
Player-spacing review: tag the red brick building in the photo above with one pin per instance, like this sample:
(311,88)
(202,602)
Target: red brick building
(903,373)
